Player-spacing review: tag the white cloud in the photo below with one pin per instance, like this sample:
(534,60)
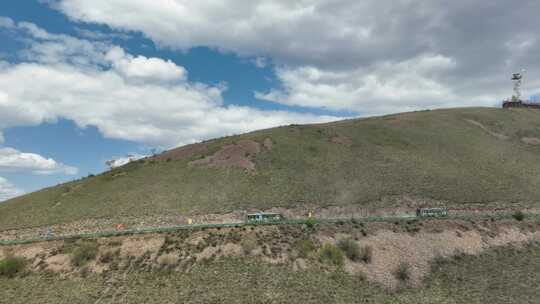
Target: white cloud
(14,160)
(147,100)
(281,28)
(121,161)
(260,62)
(351,43)
(385,88)
(146,69)
(97,35)
(6,22)
(8,190)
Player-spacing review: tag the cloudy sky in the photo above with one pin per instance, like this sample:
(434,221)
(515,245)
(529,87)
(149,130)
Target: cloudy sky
(83,82)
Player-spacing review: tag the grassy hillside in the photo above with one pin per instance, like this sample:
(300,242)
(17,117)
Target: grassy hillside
(470,155)
(504,275)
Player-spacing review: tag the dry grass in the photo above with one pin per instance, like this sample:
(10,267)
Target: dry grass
(84,252)
(350,248)
(501,276)
(331,254)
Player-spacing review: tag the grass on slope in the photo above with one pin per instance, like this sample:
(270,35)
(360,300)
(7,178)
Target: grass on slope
(442,154)
(505,275)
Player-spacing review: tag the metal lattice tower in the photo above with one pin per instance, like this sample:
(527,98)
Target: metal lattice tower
(517,79)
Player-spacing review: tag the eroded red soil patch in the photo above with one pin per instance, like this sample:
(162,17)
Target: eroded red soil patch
(236,155)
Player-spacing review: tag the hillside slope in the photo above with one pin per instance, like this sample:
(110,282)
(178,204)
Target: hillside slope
(471,155)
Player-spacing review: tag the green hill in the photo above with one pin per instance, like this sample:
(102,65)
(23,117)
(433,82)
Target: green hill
(461,156)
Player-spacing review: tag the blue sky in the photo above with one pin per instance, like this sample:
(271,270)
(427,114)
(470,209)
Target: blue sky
(83,82)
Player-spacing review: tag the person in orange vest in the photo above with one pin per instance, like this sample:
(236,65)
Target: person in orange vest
(120,227)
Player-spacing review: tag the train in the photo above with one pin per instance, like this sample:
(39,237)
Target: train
(269,217)
(264,217)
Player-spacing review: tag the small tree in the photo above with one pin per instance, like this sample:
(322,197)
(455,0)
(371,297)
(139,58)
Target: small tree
(10,266)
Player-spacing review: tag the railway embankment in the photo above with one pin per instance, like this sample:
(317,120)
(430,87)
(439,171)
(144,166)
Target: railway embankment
(375,249)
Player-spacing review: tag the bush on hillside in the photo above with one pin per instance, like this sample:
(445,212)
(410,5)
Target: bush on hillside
(310,223)
(350,248)
(109,256)
(305,247)
(403,272)
(331,254)
(518,216)
(10,266)
(366,254)
(84,252)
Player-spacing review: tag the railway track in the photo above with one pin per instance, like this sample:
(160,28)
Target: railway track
(309,221)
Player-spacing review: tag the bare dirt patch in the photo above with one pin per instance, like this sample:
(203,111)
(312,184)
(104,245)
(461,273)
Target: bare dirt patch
(268,144)
(299,264)
(419,250)
(169,259)
(137,247)
(237,155)
(59,263)
(27,251)
(531,140)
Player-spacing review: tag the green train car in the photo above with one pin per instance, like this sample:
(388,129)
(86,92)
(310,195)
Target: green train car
(263,217)
(432,212)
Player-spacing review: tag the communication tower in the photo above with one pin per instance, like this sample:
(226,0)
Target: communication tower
(517,79)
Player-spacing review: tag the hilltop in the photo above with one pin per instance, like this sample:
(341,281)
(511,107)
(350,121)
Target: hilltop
(481,157)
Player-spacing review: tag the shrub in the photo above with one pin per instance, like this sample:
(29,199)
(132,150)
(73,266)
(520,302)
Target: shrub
(84,252)
(11,265)
(350,248)
(331,254)
(366,254)
(403,272)
(438,262)
(305,247)
(108,256)
(518,216)
(310,223)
